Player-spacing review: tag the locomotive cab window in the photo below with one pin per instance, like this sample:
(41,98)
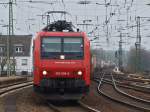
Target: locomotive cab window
(70,47)
(73,45)
(51,45)
(73,48)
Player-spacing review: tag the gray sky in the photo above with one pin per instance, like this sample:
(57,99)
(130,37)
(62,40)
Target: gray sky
(26,20)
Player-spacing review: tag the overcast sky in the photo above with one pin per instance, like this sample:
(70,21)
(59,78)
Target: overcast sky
(27,21)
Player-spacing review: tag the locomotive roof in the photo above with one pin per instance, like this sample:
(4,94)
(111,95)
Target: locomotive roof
(61,34)
(59,25)
(61,28)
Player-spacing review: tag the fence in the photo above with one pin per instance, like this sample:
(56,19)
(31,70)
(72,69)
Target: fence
(18,72)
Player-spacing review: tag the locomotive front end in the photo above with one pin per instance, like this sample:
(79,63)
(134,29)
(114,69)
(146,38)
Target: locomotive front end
(62,66)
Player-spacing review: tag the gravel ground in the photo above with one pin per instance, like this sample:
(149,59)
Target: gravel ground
(27,102)
(103,104)
(2,105)
(9,78)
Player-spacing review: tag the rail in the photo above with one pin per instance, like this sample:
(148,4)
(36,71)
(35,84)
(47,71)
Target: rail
(144,107)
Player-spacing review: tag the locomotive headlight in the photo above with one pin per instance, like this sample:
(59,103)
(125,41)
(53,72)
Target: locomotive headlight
(44,72)
(62,56)
(79,72)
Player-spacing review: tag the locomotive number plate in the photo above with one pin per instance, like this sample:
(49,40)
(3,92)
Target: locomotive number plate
(62,73)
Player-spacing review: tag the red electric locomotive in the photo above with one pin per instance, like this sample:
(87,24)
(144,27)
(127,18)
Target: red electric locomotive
(61,62)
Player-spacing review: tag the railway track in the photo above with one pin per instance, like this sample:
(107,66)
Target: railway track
(138,92)
(120,84)
(13,87)
(118,96)
(8,85)
(75,107)
(128,95)
(129,81)
(124,85)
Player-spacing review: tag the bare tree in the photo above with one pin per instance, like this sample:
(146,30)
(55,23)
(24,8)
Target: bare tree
(3,61)
(143,60)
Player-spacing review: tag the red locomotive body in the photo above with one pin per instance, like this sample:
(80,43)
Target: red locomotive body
(61,64)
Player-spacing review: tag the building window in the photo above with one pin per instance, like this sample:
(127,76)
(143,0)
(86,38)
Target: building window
(2,49)
(24,61)
(19,49)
